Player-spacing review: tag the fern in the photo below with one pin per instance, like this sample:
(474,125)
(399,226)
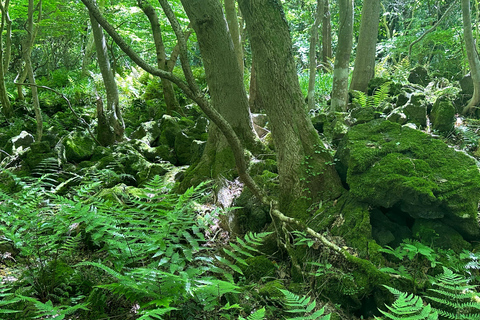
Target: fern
(380,95)
(453,297)
(303,306)
(243,248)
(408,306)
(257,315)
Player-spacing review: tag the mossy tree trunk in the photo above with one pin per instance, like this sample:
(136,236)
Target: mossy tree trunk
(364,69)
(472,55)
(227,91)
(232,20)
(5,52)
(306,174)
(342,57)
(110,121)
(167,87)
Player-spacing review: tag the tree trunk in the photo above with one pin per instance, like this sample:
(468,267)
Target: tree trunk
(313,55)
(227,91)
(110,122)
(168,91)
(472,55)
(5,58)
(305,172)
(342,57)
(364,69)
(232,20)
(326,37)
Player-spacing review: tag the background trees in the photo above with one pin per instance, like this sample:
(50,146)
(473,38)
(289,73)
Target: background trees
(300,185)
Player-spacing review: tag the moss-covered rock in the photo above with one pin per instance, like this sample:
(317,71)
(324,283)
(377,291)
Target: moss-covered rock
(439,235)
(271,290)
(148,132)
(169,130)
(419,75)
(258,267)
(416,110)
(79,147)
(183,144)
(442,115)
(387,165)
(22,141)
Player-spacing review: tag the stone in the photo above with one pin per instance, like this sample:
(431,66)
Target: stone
(183,144)
(466,83)
(419,75)
(397,116)
(362,115)
(147,131)
(416,110)
(79,147)
(169,130)
(387,165)
(442,115)
(22,141)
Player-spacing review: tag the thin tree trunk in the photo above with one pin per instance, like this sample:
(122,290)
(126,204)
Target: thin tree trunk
(5,58)
(110,122)
(326,37)
(304,173)
(87,55)
(342,57)
(313,56)
(364,69)
(168,91)
(472,55)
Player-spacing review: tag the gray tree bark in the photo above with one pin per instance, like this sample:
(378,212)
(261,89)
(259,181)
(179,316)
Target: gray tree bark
(313,55)
(342,57)
(110,121)
(364,69)
(472,55)
(305,175)
(5,57)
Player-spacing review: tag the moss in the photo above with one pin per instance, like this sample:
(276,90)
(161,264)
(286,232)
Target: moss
(258,268)
(271,290)
(388,165)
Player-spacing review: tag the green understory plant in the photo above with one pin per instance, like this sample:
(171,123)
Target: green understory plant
(366,101)
(408,306)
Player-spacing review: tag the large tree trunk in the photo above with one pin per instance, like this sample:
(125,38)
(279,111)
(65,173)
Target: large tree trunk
(305,172)
(225,82)
(472,55)
(168,92)
(364,69)
(5,58)
(342,57)
(110,121)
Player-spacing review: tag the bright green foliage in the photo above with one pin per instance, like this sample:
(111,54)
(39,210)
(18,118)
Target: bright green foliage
(257,315)
(380,95)
(408,306)
(453,297)
(303,307)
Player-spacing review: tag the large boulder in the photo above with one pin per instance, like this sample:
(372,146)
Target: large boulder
(147,131)
(419,75)
(79,147)
(391,166)
(22,141)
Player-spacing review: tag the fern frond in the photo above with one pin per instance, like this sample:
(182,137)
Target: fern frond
(257,315)
(302,305)
(408,306)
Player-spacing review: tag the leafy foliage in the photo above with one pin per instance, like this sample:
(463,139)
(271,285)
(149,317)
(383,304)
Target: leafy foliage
(453,297)
(303,307)
(379,95)
(408,306)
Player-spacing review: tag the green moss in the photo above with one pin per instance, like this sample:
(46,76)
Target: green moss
(271,290)
(388,165)
(258,268)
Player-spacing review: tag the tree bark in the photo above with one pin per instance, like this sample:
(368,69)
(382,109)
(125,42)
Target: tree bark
(326,37)
(472,55)
(167,87)
(110,121)
(364,69)
(305,173)
(342,57)
(313,55)
(7,109)
(227,91)
(232,20)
